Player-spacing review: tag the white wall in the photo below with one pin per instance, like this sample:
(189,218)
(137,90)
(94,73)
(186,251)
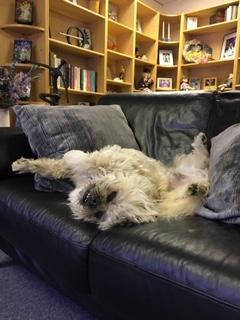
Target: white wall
(182,6)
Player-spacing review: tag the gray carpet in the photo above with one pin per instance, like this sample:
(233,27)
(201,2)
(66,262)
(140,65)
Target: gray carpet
(23,296)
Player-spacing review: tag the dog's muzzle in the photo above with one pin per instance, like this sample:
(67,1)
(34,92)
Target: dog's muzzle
(91,200)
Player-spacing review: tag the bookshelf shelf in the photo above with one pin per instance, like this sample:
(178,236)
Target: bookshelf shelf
(77,92)
(159,66)
(141,62)
(75,11)
(214,63)
(213,28)
(142,37)
(168,43)
(118,83)
(115,55)
(69,48)
(22,28)
(118,28)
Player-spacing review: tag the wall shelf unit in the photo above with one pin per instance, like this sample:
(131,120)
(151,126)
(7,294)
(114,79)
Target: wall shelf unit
(131,41)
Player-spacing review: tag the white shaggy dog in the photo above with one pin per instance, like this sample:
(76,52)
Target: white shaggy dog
(116,185)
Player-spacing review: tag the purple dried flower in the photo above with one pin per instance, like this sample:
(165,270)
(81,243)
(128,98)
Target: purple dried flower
(14,86)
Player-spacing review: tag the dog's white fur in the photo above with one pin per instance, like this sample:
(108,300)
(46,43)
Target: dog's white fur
(116,185)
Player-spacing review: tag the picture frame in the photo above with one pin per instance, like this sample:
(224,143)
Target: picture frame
(228,46)
(24,11)
(22,50)
(166,57)
(195,83)
(210,83)
(192,23)
(164,83)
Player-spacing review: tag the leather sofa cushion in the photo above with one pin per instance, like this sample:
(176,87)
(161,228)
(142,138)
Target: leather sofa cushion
(165,124)
(39,225)
(191,264)
(13,145)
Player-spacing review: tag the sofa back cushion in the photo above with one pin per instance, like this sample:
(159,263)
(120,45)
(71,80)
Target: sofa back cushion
(165,124)
(54,130)
(223,201)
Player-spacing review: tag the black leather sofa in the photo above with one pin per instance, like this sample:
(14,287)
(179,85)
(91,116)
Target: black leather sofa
(187,269)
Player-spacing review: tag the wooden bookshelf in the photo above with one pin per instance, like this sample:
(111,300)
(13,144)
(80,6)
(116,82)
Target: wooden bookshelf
(114,43)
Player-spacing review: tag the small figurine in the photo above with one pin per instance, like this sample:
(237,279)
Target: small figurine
(121,75)
(145,83)
(185,86)
(228,83)
(137,54)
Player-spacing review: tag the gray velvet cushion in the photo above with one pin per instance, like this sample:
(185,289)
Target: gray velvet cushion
(223,202)
(54,130)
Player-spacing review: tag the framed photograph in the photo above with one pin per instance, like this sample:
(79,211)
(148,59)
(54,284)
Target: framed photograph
(192,23)
(22,50)
(228,46)
(210,84)
(24,11)
(166,57)
(164,83)
(195,83)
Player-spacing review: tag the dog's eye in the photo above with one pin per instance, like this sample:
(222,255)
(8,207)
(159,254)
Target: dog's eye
(111,196)
(85,196)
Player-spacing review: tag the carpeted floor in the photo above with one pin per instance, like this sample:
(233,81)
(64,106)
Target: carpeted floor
(23,296)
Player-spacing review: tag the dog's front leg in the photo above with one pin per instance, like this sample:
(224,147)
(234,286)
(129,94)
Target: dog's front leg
(55,168)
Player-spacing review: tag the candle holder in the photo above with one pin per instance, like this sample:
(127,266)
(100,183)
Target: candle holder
(24,11)
(164,37)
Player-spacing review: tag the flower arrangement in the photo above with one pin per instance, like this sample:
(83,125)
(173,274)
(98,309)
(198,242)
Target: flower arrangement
(195,51)
(14,86)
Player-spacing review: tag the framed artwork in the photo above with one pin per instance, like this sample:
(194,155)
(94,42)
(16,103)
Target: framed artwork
(166,57)
(164,83)
(192,23)
(228,46)
(22,50)
(24,11)
(210,84)
(195,83)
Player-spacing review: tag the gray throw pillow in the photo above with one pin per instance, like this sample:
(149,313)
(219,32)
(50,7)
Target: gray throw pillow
(54,130)
(223,202)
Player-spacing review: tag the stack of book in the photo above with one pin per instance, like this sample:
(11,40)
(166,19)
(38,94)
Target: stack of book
(75,77)
(231,12)
(228,14)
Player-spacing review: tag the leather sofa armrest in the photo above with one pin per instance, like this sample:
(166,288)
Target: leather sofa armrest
(13,145)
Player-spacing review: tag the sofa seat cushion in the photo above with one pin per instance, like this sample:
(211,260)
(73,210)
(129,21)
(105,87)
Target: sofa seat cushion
(191,264)
(39,225)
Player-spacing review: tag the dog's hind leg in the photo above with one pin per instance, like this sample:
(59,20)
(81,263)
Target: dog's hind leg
(183,201)
(46,167)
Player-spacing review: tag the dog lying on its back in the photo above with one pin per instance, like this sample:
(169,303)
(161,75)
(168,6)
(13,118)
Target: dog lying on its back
(116,185)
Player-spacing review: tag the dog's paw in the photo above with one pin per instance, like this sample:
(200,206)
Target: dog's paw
(196,189)
(20,165)
(200,139)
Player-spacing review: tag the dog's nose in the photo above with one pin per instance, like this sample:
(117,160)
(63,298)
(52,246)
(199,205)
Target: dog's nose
(91,200)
